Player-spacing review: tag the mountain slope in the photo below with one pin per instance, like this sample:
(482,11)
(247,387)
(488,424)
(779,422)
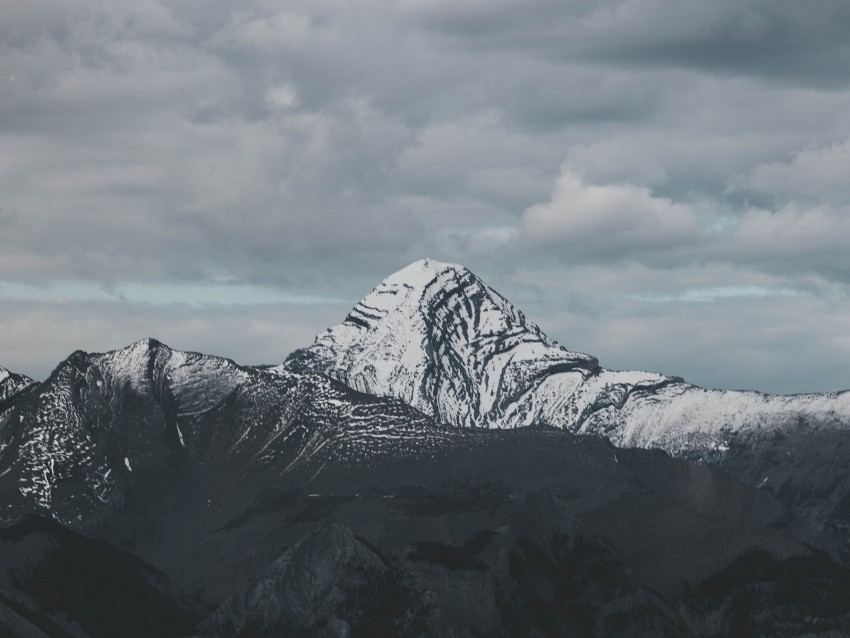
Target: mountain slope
(56,582)
(103,423)
(211,471)
(440,339)
(11,383)
(437,337)
(542,558)
(12,387)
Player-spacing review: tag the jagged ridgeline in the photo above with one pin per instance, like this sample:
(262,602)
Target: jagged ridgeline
(437,337)
(378,483)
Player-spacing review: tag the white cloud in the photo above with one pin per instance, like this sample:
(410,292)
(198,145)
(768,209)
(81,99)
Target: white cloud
(320,145)
(611,222)
(622,222)
(282,97)
(814,173)
(800,239)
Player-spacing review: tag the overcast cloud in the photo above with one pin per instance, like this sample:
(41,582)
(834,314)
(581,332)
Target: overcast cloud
(661,183)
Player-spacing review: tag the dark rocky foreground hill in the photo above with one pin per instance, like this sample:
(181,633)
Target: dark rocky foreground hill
(261,502)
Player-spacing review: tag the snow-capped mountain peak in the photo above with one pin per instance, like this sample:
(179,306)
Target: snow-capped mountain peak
(103,422)
(437,337)
(12,384)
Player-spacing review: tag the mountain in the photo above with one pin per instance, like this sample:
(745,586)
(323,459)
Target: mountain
(12,386)
(332,582)
(75,442)
(437,337)
(236,483)
(147,438)
(55,582)
(11,383)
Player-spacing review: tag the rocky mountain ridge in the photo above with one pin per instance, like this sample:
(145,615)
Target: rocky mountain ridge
(12,385)
(437,337)
(72,445)
(213,473)
(248,487)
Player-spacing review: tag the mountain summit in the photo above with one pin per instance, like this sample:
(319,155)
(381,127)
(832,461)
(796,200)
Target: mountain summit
(437,337)
(12,387)
(12,383)
(295,504)
(142,418)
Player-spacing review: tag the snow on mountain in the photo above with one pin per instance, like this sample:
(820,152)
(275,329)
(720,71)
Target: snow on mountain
(210,471)
(12,383)
(102,422)
(12,388)
(437,337)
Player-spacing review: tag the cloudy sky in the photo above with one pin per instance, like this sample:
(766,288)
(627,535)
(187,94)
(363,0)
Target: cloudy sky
(662,183)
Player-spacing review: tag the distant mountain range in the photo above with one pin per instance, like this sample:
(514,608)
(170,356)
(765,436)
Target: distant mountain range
(378,483)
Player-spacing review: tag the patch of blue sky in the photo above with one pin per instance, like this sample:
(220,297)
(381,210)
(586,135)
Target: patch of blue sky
(220,294)
(715,293)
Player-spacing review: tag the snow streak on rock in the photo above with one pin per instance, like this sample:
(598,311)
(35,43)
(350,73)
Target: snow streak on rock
(437,337)
(102,420)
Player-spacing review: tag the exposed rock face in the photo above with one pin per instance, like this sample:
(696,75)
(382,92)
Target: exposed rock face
(104,422)
(329,584)
(542,574)
(12,383)
(12,387)
(296,505)
(537,576)
(437,337)
(440,339)
(215,473)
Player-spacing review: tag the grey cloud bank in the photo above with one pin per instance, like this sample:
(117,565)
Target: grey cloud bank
(604,165)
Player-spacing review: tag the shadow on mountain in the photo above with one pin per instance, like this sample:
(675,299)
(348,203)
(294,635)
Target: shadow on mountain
(294,505)
(56,582)
(537,576)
